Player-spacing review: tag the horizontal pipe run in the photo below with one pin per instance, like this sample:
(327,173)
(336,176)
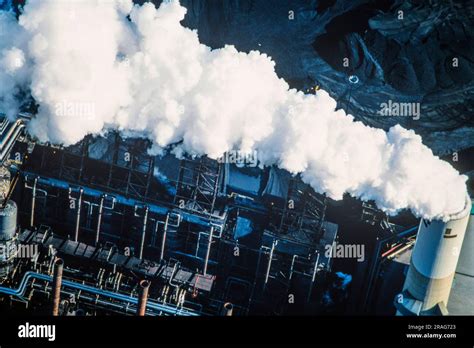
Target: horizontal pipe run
(151,305)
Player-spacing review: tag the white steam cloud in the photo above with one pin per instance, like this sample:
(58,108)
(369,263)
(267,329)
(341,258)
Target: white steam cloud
(95,65)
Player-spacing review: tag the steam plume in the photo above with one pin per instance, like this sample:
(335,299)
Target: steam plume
(96,65)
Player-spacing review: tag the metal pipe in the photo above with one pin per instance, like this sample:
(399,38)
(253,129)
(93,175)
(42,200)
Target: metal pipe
(78,215)
(208,251)
(33,203)
(313,278)
(163,240)
(57,280)
(143,297)
(20,291)
(267,274)
(142,240)
(292,266)
(198,243)
(394,253)
(99,219)
(227,309)
(8,141)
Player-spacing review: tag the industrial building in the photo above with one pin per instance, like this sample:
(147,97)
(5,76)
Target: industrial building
(206,238)
(103,228)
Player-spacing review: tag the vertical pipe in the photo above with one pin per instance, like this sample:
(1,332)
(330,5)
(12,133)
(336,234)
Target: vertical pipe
(267,274)
(163,240)
(33,203)
(143,297)
(57,280)
(142,239)
(99,219)
(292,266)
(208,251)
(227,309)
(78,215)
(313,278)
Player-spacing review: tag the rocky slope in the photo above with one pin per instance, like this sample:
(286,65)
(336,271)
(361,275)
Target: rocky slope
(403,51)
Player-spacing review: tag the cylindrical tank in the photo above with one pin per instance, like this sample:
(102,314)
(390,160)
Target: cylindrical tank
(8,221)
(435,257)
(466,258)
(8,216)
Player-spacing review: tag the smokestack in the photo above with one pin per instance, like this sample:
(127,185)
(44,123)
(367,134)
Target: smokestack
(227,309)
(143,297)
(466,258)
(433,264)
(57,280)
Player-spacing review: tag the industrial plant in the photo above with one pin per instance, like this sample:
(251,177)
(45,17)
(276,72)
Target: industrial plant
(150,168)
(117,231)
(103,228)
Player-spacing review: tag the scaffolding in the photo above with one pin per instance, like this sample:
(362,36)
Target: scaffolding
(197,186)
(303,213)
(128,172)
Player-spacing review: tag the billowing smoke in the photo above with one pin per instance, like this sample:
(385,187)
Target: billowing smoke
(96,65)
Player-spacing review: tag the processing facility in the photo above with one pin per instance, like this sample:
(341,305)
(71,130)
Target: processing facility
(102,227)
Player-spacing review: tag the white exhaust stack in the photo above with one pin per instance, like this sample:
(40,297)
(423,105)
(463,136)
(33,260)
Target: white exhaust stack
(433,264)
(466,258)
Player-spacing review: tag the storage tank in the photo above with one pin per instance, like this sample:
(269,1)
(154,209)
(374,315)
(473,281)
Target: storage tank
(8,217)
(433,264)
(8,220)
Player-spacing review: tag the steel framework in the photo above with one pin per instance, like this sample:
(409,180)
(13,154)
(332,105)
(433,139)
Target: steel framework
(197,186)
